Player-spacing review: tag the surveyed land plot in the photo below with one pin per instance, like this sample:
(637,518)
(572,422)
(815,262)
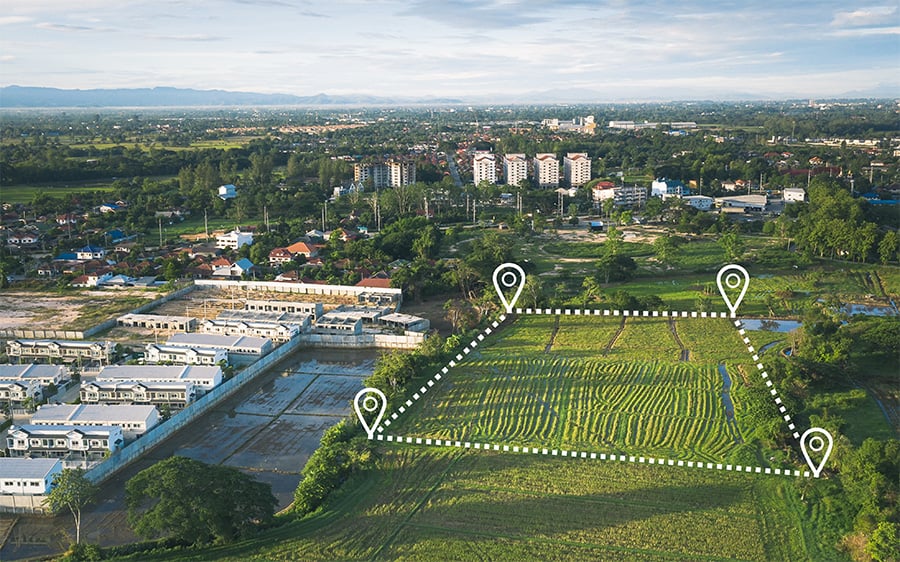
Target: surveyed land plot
(549,404)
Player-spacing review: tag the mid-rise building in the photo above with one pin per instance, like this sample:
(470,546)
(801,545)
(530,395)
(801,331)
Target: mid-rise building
(484,167)
(393,173)
(134,421)
(76,446)
(666,188)
(577,169)
(632,196)
(28,477)
(515,169)
(546,170)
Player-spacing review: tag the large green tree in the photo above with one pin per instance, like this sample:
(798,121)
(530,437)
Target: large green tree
(72,491)
(195,502)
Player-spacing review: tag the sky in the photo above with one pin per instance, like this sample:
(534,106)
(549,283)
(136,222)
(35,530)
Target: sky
(606,50)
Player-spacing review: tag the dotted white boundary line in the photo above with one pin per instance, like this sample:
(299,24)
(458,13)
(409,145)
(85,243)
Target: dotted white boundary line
(613,312)
(583,454)
(592,456)
(765,376)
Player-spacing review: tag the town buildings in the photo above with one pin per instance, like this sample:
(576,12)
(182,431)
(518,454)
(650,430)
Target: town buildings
(391,173)
(515,169)
(204,377)
(184,355)
(76,446)
(233,240)
(65,350)
(484,167)
(28,477)
(133,420)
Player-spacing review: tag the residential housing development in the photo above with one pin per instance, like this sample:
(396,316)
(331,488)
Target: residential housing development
(576,169)
(133,420)
(76,446)
(26,477)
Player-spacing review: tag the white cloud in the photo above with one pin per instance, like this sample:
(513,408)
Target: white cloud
(864,16)
(10,20)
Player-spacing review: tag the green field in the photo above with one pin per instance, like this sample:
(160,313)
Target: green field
(26,193)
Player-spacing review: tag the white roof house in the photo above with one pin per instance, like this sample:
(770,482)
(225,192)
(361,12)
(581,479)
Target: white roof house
(79,447)
(158,322)
(206,377)
(241,345)
(158,353)
(227,191)
(794,195)
(172,394)
(64,349)
(28,477)
(234,240)
(276,331)
(17,391)
(44,374)
(134,420)
(699,202)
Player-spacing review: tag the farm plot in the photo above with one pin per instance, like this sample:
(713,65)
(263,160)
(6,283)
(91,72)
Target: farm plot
(636,407)
(582,336)
(647,338)
(529,334)
(711,340)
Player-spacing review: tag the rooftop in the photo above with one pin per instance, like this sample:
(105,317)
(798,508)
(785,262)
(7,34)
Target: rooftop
(60,414)
(26,468)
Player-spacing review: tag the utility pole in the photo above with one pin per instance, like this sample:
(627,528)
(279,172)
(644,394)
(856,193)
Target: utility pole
(159,221)
(206,224)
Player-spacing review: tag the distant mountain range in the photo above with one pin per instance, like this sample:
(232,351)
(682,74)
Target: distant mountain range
(23,96)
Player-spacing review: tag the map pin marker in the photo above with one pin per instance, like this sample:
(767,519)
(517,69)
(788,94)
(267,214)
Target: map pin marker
(368,401)
(812,443)
(507,276)
(730,279)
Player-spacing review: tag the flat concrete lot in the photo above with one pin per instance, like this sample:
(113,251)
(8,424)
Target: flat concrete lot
(268,429)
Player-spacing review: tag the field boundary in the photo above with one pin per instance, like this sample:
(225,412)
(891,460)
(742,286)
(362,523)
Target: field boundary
(382,436)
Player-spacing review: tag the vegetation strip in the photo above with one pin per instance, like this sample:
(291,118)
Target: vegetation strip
(765,376)
(589,455)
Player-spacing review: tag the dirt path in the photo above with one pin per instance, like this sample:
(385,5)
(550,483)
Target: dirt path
(685,353)
(552,336)
(615,338)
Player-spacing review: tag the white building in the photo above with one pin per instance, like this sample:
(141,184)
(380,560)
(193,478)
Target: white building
(794,195)
(247,346)
(275,331)
(484,167)
(234,240)
(312,308)
(699,202)
(90,253)
(133,420)
(515,169)
(546,170)
(668,188)
(158,322)
(204,377)
(227,191)
(157,353)
(405,322)
(28,477)
(16,392)
(751,203)
(401,173)
(576,169)
(44,374)
(60,349)
(176,395)
(393,173)
(77,446)
(621,195)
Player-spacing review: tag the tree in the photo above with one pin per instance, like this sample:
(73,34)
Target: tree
(73,491)
(666,249)
(887,248)
(195,502)
(613,241)
(884,544)
(732,244)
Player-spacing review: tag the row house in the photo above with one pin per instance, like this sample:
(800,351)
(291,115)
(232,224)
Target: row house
(45,375)
(249,347)
(158,322)
(175,395)
(157,353)
(15,393)
(60,349)
(22,238)
(275,331)
(134,421)
(77,446)
(205,378)
(314,309)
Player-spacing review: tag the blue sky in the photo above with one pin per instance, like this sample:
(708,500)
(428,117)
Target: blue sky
(610,49)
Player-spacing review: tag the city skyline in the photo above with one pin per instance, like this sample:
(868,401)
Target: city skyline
(502,49)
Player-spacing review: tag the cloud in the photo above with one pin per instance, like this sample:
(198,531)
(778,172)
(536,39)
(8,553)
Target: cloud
(472,14)
(67,28)
(196,37)
(9,20)
(7,58)
(866,31)
(863,17)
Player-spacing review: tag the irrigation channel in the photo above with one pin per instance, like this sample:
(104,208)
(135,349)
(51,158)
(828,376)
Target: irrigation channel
(268,429)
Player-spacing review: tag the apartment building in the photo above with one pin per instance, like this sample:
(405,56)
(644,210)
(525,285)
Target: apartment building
(515,169)
(484,167)
(546,170)
(576,169)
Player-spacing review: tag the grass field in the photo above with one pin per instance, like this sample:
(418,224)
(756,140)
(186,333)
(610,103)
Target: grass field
(26,193)
(428,504)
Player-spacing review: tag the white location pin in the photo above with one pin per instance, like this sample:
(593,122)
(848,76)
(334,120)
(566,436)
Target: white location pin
(368,401)
(812,443)
(507,276)
(733,280)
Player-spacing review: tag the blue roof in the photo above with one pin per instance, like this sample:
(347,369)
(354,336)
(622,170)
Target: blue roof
(92,249)
(244,264)
(67,256)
